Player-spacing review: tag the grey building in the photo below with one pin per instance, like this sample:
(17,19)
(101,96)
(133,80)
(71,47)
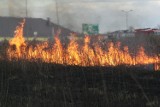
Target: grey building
(38,26)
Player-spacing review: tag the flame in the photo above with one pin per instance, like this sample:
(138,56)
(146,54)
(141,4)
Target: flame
(73,54)
(18,41)
(88,54)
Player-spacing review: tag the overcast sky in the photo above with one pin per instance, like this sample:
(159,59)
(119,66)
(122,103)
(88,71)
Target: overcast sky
(73,13)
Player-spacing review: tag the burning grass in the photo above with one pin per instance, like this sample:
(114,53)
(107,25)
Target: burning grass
(35,74)
(73,53)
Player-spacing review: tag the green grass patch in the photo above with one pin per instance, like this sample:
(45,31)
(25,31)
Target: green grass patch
(26,38)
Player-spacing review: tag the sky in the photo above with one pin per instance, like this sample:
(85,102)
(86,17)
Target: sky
(73,13)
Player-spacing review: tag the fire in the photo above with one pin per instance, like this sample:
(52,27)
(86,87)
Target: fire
(87,54)
(18,41)
(73,55)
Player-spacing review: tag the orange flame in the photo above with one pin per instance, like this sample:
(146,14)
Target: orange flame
(18,41)
(74,54)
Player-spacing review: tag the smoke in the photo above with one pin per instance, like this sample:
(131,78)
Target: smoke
(109,15)
(73,13)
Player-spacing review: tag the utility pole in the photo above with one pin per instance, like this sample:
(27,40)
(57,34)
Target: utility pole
(126,14)
(26,8)
(57,11)
(26,2)
(58,30)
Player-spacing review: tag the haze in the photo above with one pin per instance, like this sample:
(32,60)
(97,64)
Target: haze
(73,13)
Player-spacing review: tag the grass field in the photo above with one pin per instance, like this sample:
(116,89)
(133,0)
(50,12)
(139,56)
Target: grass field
(28,38)
(37,84)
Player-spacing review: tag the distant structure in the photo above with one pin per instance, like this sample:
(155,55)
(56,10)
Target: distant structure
(147,31)
(121,33)
(33,26)
(90,29)
(134,33)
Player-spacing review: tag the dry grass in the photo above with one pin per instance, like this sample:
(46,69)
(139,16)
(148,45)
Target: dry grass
(35,84)
(39,84)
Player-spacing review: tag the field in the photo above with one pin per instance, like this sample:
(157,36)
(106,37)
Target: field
(28,38)
(79,73)
(38,84)
(25,83)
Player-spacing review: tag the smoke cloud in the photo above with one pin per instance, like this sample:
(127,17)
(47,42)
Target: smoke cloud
(73,13)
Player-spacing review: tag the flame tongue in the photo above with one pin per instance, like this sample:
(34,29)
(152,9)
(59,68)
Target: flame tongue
(18,41)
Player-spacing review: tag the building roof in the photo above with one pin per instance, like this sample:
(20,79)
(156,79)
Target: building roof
(44,28)
(147,30)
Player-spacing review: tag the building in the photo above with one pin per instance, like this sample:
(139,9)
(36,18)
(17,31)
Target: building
(147,31)
(121,33)
(32,27)
(133,33)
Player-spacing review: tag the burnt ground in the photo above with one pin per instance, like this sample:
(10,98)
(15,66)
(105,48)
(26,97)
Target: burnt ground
(37,84)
